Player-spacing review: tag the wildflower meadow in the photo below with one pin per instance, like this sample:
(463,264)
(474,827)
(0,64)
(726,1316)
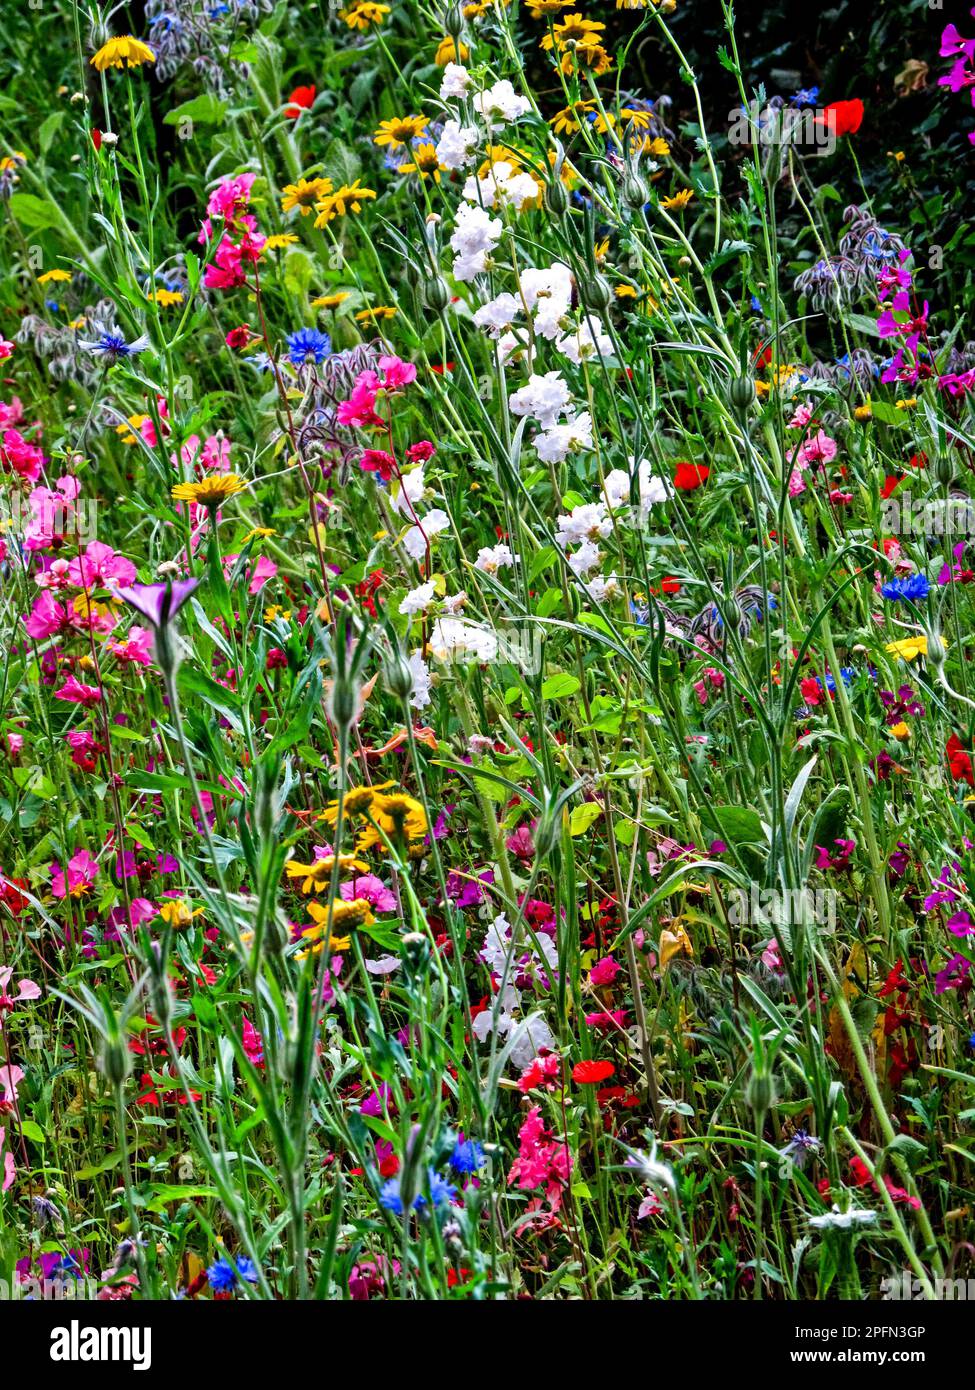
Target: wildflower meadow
(487,761)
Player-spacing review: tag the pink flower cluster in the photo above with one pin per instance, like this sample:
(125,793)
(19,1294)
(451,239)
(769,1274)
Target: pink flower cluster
(241,242)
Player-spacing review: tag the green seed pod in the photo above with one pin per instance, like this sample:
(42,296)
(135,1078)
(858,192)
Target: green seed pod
(760,1092)
(556,198)
(398,676)
(453,21)
(115,1061)
(635,192)
(595,293)
(944,469)
(436,295)
(741,392)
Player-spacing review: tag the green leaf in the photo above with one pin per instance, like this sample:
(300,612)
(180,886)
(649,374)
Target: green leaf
(560,687)
(36,213)
(205,109)
(583,816)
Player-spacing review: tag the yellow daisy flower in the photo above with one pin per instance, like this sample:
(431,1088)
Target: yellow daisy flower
(330,301)
(348,198)
(356,803)
(376,314)
(910,647)
(209,491)
(344,917)
(424,162)
(399,814)
(573,29)
(317,875)
(571,119)
(122,51)
(364,15)
(52,277)
(450,52)
(279,240)
(400,130)
(178,913)
(678,201)
(166,298)
(304,194)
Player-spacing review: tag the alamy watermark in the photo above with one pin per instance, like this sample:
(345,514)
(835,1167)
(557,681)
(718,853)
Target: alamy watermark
(782,907)
(807,129)
(945,516)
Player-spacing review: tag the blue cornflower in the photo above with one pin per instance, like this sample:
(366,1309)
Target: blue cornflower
(467,1157)
(971,1041)
(52,304)
(222,1276)
(756,304)
(915,586)
(806,96)
(441,1191)
(247,1269)
(308,345)
(111,345)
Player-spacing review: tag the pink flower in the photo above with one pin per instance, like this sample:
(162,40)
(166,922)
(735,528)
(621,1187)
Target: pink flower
(542,1160)
(257,574)
(26,989)
(371,889)
(101,568)
(359,410)
(46,618)
(77,694)
(9,1171)
(604,972)
(135,647)
(10,1079)
(6,347)
(78,880)
(396,373)
(24,459)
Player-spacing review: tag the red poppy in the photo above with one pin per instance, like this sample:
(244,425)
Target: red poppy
(890,483)
(300,100)
(689,476)
(959,762)
(591,1073)
(762,358)
(669,585)
(96,137)
(842,117)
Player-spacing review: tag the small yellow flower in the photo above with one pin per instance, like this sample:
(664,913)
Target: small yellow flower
(399,814)
(348,198)
(364,15)
(571,119)
(259,533)
(304,194)
(278,240)
(674,943)
(863,412)
(450,52)
(330,301)
(400,130)
(356,802)
(275,610)
(51,277)
(376,314)
(678,201)
(538,9)
(900,731)
(588,55)
(626,292)
(209,491)
(572,29)
(906,404)
(166,298)
(910,647)
(317,875)
(126,431)
(178,913)
(124,50)
(344,917)
(424,162)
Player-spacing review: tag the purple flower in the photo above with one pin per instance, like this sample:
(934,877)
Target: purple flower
(158,603)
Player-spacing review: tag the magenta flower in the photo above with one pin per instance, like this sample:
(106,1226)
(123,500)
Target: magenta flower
(78,878)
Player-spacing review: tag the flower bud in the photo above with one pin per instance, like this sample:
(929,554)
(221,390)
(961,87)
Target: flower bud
(556,198)
(115,1061)
(635,192)
(398,676)
(436,295)
(595,293)
(741,392)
